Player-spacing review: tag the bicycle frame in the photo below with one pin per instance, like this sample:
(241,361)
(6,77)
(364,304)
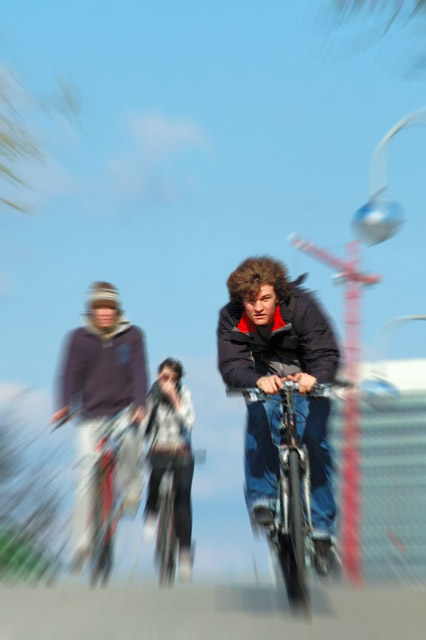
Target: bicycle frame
(289,441)
(105,492)
(107,503)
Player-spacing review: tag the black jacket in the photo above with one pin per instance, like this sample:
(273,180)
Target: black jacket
(301,339)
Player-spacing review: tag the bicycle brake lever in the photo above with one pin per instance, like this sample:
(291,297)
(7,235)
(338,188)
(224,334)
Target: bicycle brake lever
(64,420)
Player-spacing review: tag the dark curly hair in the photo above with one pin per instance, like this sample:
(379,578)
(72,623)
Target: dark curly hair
(253,273)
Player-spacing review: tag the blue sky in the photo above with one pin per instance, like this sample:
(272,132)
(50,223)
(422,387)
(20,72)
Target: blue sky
(208,132)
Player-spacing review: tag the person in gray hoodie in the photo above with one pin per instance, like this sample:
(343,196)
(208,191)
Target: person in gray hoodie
(103,374)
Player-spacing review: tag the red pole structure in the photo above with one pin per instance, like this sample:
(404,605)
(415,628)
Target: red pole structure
(353,279)
(351,478)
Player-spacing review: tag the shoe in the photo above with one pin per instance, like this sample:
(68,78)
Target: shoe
(150,528)
(185,566)
(262,516)
(322,555)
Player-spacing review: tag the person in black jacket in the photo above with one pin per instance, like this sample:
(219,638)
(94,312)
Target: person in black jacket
(273,330)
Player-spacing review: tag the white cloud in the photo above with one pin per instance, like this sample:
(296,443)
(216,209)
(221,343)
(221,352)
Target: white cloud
(160,137)
(146,170)
(17,397)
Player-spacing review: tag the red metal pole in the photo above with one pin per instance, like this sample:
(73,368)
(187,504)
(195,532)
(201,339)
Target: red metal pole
(351,478)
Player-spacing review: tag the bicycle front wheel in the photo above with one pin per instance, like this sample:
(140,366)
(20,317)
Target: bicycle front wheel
(166,543)
(297,530)
(97,529)
(290,545)
(103,525)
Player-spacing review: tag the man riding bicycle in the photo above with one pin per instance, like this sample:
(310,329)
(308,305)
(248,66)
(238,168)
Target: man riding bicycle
(103,373)
(273,330)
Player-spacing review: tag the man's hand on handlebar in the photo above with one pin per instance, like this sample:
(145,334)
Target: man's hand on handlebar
(138,415)
(270,384)
(273,384)
(59,415)
(305,380)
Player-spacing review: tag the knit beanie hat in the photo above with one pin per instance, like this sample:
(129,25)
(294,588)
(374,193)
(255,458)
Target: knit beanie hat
(103,294)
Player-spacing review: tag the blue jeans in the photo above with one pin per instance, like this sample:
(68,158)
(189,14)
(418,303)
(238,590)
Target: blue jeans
(262,463)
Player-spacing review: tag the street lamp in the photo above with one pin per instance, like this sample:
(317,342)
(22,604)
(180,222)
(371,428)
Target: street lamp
(379,219)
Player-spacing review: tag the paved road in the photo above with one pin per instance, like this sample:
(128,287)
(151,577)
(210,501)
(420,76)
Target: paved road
(207,612)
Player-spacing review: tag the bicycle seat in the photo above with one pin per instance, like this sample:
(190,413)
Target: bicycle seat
(168,449)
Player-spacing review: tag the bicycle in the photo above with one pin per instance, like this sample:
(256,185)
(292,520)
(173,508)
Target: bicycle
(167,545)
(293,523)
(108,499)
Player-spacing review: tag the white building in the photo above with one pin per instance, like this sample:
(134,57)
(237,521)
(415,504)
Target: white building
(393,470)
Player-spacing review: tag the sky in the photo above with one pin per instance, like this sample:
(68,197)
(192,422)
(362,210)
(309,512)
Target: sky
(207,132)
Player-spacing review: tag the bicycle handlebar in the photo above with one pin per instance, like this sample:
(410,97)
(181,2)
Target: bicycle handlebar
(257,395)
(65,419)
